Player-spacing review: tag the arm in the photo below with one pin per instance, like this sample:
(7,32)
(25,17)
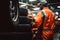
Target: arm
(38,20)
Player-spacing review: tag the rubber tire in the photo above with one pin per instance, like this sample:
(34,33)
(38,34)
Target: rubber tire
(14,4)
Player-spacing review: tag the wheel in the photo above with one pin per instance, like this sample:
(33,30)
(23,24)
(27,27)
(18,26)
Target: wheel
(13,8)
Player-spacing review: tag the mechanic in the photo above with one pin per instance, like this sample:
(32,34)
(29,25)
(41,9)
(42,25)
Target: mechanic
(45,22)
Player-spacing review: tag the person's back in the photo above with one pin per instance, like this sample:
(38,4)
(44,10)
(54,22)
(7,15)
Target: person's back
(48,24)
(48,27)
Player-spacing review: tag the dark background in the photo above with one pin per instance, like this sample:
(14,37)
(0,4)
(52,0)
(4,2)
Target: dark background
(5,21)
(6,24)
(4,15)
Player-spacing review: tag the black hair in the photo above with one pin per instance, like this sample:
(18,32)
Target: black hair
(43,5)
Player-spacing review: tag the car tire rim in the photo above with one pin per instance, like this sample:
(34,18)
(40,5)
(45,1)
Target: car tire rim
(13,12)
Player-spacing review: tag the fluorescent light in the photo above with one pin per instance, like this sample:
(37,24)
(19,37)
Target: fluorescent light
(58,6)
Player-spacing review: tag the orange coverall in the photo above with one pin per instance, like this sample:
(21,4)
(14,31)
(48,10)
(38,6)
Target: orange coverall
(48,24)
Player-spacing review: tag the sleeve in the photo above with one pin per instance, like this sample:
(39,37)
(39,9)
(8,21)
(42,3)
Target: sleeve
(38,19)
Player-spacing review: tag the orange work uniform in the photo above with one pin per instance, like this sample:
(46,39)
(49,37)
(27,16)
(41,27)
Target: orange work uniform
(48,24)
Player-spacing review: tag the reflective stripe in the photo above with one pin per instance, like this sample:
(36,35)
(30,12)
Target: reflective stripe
(44,13)
(46,29)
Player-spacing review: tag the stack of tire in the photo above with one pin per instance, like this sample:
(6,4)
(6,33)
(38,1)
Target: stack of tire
(22,24)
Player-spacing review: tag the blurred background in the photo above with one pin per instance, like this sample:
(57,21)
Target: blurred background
(9,15)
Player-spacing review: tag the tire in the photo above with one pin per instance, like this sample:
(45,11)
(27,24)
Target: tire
(13,9)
